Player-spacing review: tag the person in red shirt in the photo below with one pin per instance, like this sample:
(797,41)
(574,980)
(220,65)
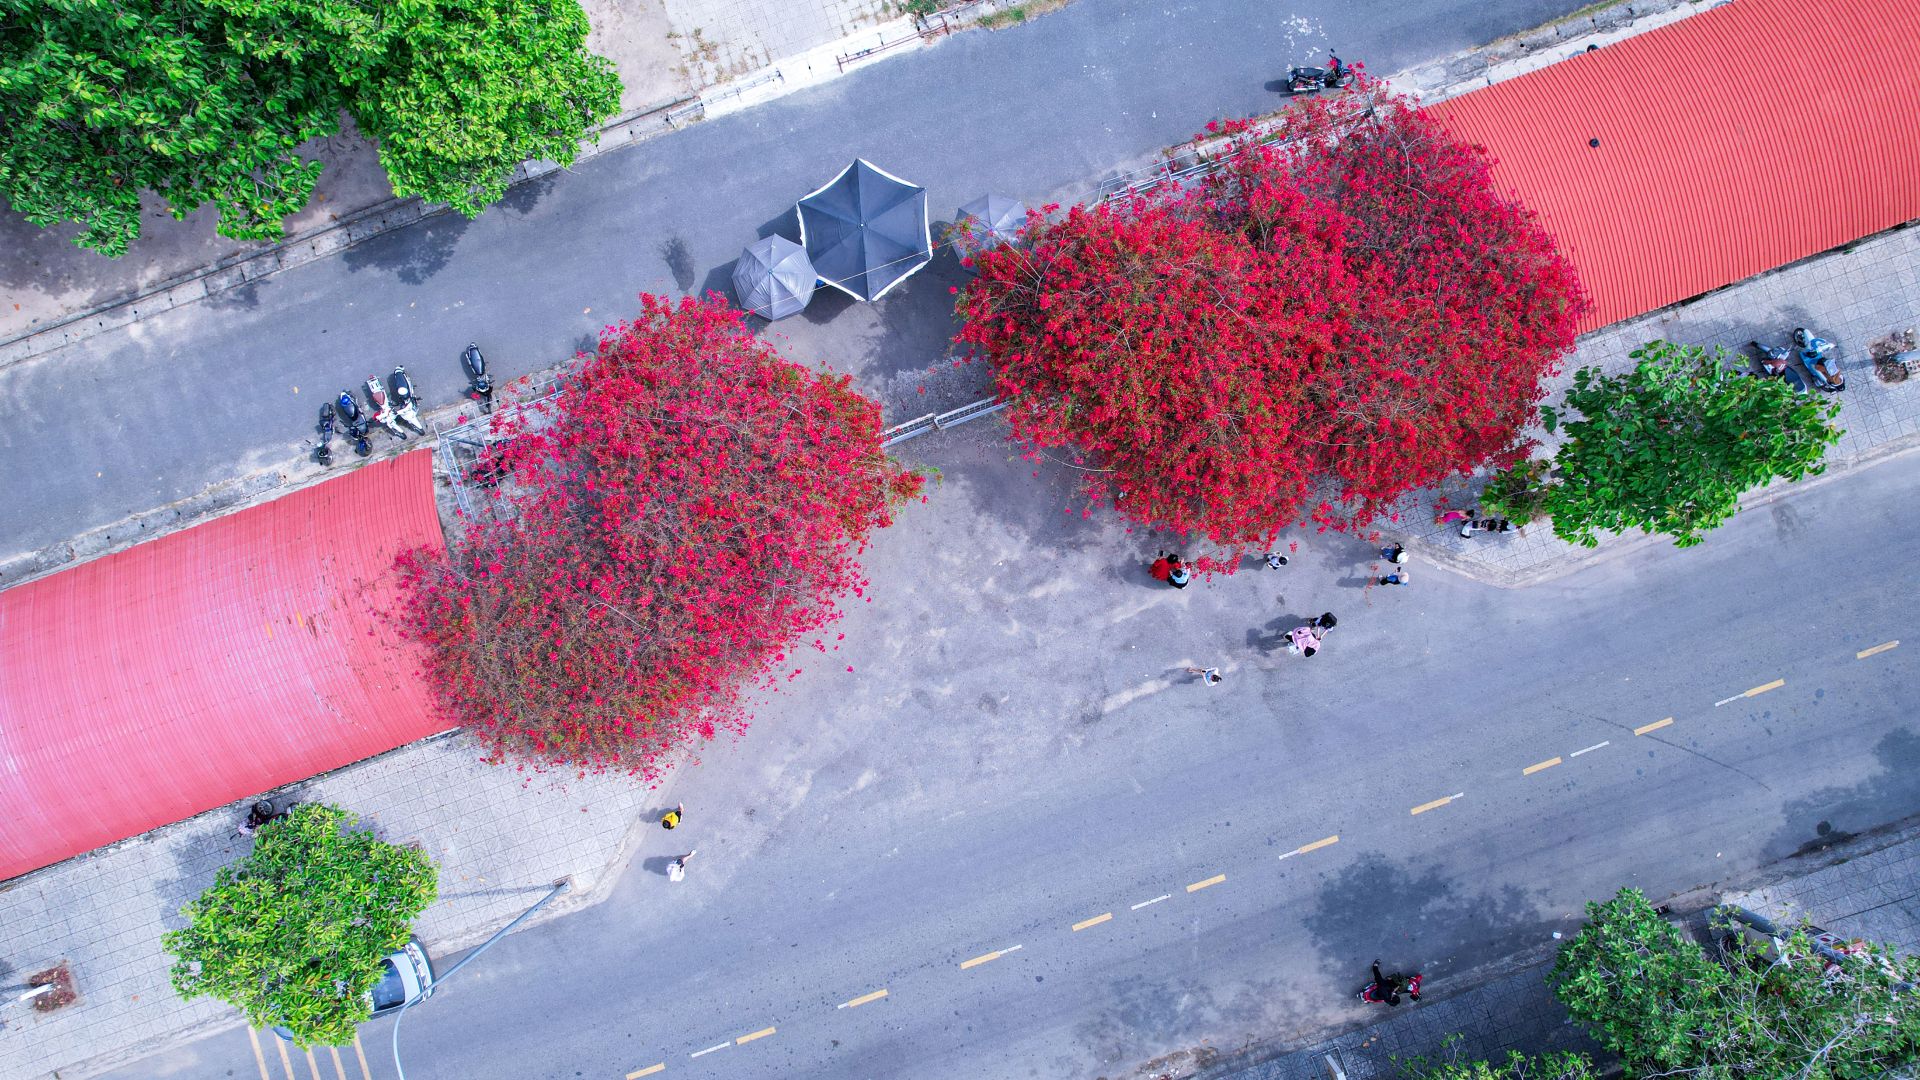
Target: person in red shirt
(1162,568)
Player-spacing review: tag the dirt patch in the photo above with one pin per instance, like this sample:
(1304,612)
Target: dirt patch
(1894,358)
(62,995)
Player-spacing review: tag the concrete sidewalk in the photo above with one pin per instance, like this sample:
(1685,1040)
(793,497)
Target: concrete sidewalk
(499,836)
(1854,296)
(1863,887)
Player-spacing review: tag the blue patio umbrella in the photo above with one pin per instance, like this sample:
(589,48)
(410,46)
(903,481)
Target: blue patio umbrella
(866,230)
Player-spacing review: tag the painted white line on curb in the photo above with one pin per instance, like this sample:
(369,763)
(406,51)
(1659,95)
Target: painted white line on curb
(1155,900)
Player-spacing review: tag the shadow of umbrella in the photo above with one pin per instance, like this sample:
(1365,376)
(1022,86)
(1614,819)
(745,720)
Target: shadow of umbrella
(866,230)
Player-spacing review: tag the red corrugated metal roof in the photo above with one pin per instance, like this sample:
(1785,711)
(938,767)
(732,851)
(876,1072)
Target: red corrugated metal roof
(1731,142)
(209,665)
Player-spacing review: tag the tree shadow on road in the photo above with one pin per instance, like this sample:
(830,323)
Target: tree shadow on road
(413,254)
(1832,815)
(1417,917)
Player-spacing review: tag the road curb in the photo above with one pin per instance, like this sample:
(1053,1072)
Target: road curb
(1689,907)
(801,71)
(1620,547)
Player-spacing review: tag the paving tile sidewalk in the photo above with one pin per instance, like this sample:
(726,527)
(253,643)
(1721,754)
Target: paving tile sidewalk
(499,837)
(1852,296)
(1868,887)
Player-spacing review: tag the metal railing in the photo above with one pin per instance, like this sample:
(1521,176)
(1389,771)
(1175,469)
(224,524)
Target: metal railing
(931,422)
(460,447)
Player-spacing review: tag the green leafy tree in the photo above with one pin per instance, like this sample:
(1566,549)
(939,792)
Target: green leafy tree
(294,934)
(1668,447)
(1658,1000)
(1516,1066)
(100,101)
(468,89)
(208,101)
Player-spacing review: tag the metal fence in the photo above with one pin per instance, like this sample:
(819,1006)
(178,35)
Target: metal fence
(932,422)
(461,447)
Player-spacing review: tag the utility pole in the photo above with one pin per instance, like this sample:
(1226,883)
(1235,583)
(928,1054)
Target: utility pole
(559,887)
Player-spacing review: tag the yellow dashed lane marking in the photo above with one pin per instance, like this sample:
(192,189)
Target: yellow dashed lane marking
(1547,764)
(862,1000)
(984,957)
(1315,846)
(761,1034)
(1434,805)
(648,1071)
(1095,921)
(1655,726)
(1876,650)
(1214,880)
(1758,690)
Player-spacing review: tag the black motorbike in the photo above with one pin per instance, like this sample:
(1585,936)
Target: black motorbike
(405,401)
(1306,80)
(480,386)
(324,452)
(355,422)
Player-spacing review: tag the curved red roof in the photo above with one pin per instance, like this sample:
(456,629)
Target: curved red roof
(209,665)
(1731,142)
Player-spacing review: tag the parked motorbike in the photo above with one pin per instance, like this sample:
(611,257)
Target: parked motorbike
(1817,354)
(354,422)
(382,412)
(324,452)
(481,383)
(404,399)
(1776,362)
(1480,525)
(1306,80)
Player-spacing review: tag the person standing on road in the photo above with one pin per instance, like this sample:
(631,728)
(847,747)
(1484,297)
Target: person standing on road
(677,869)
(1304,640)
(671,819)
(1397,555)
(1208,676)
(1274,561)
(1162,567)
(1177,575)
(1398,577)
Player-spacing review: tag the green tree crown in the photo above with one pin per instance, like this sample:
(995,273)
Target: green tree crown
(1669,447)
(295,933)
(208,101)
(1653,996)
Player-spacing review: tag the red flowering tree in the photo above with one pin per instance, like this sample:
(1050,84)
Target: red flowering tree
(675,524)
(1346,310)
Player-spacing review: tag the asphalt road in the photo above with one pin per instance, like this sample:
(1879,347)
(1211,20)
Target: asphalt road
(1017,751)
(142,417)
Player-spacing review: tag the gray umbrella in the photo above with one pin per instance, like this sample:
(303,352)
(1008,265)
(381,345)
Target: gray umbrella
(988,221)
(866,230)
(774,278)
